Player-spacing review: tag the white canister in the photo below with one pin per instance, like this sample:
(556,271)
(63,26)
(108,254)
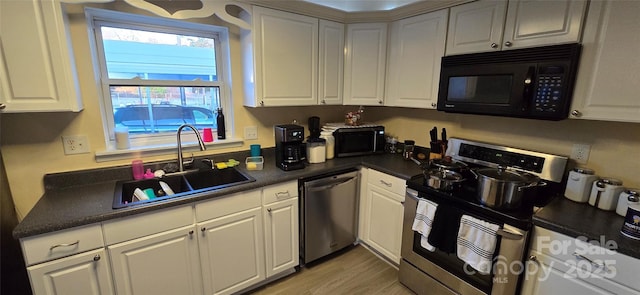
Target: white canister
(626,199)
(579,184)
(605,193)
(330,143)
(316,150)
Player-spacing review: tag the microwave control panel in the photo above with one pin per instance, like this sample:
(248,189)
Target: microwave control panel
(549,96)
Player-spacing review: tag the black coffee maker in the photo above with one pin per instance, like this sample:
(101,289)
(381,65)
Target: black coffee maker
(289,147)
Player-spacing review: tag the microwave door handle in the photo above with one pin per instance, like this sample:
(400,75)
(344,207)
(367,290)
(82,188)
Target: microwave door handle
(527,93)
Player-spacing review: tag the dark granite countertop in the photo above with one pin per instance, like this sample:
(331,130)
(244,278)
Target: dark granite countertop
(582,220)
(84,197)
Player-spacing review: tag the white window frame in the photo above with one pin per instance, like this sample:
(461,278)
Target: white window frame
(154,144)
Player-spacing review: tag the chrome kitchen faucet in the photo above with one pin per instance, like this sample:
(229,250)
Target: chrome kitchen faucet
(179,142)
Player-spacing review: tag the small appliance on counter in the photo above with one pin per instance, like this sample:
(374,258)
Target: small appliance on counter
(365,139)
(627,198)
(289,146)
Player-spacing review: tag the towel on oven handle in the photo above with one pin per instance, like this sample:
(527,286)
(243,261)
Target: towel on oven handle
(477,243)
(423,222)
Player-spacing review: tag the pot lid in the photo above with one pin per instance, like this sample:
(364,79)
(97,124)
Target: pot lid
(446,175)
(447,163)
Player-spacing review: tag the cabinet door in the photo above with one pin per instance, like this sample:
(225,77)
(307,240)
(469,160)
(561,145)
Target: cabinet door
(286,58)
(606,86)
(476,27)
(37,68)
(416,48)
(532,23)
(86,273)
(365,64)
(281,236)
(232,252)
(331,63)
(383,214)
(164,263)
(542,279)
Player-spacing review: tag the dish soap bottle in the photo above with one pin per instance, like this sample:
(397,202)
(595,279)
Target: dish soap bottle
(220,122)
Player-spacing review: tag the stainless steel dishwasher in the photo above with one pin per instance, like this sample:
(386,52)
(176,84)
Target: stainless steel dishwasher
(328,219)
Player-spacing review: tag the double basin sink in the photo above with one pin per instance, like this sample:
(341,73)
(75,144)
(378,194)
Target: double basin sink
(182,184)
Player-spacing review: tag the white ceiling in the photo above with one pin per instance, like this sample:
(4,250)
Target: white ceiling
(363,5)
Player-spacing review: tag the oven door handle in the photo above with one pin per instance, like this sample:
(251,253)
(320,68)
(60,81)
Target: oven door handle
(509,235)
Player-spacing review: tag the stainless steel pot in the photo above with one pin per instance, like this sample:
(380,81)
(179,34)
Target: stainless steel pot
(443,180)
(501,188)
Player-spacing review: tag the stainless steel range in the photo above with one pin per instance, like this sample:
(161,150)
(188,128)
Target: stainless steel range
(464,228)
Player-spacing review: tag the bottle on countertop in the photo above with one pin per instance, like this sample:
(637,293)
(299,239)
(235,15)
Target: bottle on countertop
(220,122)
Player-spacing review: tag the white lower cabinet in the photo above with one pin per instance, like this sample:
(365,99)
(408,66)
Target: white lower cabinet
(559,264)
(381,212)
(281,228)
(163,263)
(85,273)
(232,252)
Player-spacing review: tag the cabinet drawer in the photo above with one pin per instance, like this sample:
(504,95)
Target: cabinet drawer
(391,183)
(128,228)
(620,268)
(61,243)
(226,205)
(279,192)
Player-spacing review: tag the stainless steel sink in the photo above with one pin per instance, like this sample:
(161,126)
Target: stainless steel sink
(182,184)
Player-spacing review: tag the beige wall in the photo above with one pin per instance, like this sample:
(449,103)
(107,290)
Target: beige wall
(32,147)
(615,147)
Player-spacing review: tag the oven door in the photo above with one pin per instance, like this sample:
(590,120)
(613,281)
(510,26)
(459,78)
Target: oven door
(451,272)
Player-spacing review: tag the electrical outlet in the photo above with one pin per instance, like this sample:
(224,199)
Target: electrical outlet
(75,144)
(580,153)
(251,132)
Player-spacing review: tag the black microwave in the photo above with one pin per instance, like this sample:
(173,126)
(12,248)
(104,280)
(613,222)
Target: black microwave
(535,83)
(359,140)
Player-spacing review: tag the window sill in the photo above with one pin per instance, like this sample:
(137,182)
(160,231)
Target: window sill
(113,154)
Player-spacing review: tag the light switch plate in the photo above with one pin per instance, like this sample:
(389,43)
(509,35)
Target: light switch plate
(75,144)
(251,132)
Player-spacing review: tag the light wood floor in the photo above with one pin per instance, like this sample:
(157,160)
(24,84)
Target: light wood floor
(354,271)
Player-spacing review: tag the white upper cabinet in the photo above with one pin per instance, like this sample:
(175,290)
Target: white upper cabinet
(280,59)
(416,48)
(331,63)
(606,86)
(37,68)
(365,64)
(500,25)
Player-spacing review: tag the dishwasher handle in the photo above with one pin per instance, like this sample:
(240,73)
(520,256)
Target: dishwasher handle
(340,181)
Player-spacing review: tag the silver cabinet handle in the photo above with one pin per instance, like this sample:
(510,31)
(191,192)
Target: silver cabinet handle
(386,183)
(576,113)
(204,229)
(262,103)
(433,104)
(534,259)
(96,258)
(65,245)
(191,232)
(380,102)
(323,102)
(269,210)
(598,265)
(494,45)
(508,44)
(281,195)
(2,106)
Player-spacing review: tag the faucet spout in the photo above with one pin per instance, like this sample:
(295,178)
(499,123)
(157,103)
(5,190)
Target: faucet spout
(179,142)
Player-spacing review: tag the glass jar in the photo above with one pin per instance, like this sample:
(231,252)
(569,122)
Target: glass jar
(330,143)
(407,151)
